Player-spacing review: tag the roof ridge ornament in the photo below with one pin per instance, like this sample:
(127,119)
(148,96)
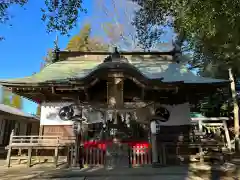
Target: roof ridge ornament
(115,57)
(116,53)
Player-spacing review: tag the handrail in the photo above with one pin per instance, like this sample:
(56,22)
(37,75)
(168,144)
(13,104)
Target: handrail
(40,141)
(41,136)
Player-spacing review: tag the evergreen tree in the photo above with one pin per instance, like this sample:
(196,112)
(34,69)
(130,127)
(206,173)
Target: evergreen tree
(59,15)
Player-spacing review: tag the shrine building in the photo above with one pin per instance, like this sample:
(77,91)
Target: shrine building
(117,91)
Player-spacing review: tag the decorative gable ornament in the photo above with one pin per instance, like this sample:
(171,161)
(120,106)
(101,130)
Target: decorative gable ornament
(66,113)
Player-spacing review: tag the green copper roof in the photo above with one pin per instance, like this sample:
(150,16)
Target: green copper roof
(80,67)
(59,71)
(15,111)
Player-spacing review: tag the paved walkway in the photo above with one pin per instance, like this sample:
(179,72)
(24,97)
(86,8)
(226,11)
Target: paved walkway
(119,174)
(21,172)
(48,171)
(149,173)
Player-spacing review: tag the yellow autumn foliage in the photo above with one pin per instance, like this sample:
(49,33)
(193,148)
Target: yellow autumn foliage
(38,113)
(6,99)
(16,101)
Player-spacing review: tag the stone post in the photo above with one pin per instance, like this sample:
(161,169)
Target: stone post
(77,133)
(154,143)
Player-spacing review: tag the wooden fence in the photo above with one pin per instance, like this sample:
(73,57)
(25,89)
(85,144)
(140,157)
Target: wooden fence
(97,155)
(31,143)
(91,155)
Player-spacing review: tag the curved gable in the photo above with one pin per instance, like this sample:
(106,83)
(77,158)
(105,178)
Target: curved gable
(85,68)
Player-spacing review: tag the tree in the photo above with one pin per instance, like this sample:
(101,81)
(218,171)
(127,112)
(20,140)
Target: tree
(10,99)
(38,112)
(114,32)
(59,15)
(116,22)
(97,44)
(83,42)
(210,28)
(16,101)
(48,58)
(7,95)
(204,34)
(80,41)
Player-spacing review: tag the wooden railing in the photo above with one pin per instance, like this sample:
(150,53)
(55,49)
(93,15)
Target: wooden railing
(37,142)
(180,146)
(140,155)
(137,155)
(40,141)
(91,156)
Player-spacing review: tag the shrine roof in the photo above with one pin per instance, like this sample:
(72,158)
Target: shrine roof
(4,109)
(84,66)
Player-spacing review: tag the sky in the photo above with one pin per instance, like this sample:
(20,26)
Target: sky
(26,41)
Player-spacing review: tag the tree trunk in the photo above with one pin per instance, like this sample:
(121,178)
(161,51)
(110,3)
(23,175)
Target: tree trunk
(235,109)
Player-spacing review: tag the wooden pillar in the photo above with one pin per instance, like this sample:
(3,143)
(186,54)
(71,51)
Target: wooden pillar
(115,92)
(3,126)
(41,128)
(17,128)
(56,153)
(10,149)
(200,128)
(29,160)
(227,135)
